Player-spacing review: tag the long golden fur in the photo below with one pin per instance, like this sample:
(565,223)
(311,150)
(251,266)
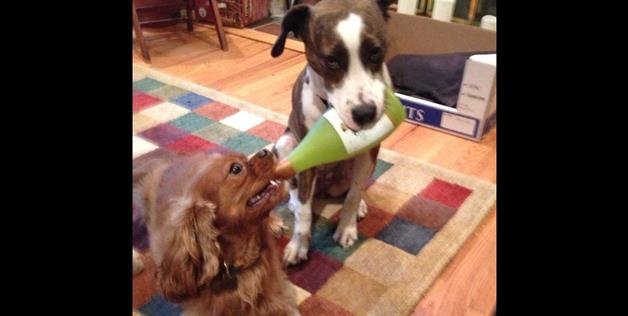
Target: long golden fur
(211,228)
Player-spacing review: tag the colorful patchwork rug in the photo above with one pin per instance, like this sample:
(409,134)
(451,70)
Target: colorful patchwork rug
(419,214)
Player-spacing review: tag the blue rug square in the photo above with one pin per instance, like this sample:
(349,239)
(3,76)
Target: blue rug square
(380,167)
(406,235)
(192,100)
(158,306)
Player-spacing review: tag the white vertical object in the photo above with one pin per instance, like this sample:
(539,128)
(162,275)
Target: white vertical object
(278,8)
(443,10)
(489,22)
(407,6)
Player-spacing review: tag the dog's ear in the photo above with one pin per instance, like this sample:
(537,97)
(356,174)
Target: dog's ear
(383,6)
(294,21)
(147,171)
(191,259)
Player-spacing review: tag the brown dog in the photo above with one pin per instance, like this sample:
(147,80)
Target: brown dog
(211,231)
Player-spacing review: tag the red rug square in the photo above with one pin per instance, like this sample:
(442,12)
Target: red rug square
(447,193)
(426,212)
(268,130)
(191,143)
(315,305)
(374,222)
(313,273)
(142,100)
(216,111)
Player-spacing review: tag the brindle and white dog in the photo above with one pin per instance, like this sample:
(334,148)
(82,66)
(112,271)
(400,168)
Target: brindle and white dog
(345,45)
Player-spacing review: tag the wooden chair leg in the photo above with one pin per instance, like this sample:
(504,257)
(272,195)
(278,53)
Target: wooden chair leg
(472,8)
(219,28)
(189,8)
(139,36)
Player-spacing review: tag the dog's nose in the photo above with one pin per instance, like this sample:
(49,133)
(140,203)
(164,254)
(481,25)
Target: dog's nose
(263,153)
(363,114)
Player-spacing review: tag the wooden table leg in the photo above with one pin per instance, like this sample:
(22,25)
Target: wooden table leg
(219,27)
(189,7)
(473,6)
(139,36)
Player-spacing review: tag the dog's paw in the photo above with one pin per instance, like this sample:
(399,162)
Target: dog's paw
(362,210)
(296,249)
(294,205)
(138,264)
(347,236)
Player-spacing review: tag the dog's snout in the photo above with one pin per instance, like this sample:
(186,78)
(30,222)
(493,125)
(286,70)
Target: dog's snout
(264,153)
(364,114)
(261,162)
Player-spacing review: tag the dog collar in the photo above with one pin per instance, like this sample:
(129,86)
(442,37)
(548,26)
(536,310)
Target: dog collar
(226,279)
(327,106)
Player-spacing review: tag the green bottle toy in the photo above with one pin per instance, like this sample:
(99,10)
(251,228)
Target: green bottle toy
(328,141)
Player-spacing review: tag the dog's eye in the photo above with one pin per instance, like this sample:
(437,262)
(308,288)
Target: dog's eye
(332,63)
(375,54)
(235,168)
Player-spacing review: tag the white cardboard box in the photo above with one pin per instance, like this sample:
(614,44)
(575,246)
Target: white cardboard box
(475,111)
(414,34)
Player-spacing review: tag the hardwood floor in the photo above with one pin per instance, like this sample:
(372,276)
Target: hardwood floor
(467,286)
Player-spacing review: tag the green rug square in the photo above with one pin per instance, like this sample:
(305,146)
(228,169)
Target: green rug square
(191,122)
(147,84)
(246,143)
(217,132)
(168,93)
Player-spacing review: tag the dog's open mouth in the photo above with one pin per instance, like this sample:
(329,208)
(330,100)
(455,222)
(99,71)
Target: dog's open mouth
(264,194)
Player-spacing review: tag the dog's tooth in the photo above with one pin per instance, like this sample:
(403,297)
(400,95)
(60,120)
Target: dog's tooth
(254,199)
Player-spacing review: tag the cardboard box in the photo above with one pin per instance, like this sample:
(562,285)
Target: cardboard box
(475,112)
